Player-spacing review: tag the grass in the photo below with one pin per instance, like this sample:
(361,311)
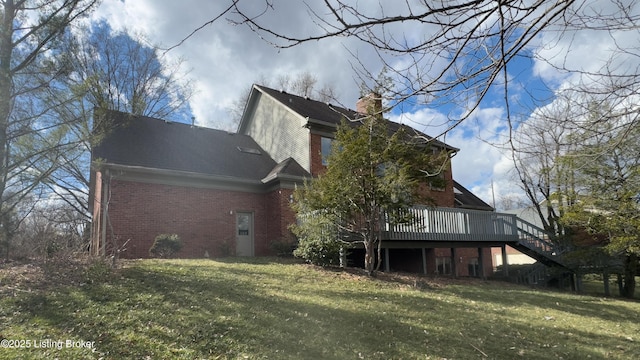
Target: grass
(266,308)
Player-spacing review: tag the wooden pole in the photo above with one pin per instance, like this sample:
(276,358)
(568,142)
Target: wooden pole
(424,261)
(481,264)
(387,267)
(505,261)
(454,267)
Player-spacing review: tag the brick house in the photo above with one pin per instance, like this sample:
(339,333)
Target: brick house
(229,193)
(221,192)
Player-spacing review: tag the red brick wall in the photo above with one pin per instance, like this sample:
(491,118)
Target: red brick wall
(463,257)
(316,155)
(442,197)
(205,219)
(279,215)
(447,197)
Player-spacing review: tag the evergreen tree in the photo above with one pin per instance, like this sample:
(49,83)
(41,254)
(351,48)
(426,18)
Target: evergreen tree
(374,172)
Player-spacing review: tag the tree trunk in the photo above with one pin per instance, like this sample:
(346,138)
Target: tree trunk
(369,257)
(630,271)
(6,85)
(605,279)
(620,284)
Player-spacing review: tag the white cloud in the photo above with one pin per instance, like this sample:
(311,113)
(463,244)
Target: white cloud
(224,59)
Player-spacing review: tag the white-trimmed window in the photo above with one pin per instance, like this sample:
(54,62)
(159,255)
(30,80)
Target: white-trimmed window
(325,148)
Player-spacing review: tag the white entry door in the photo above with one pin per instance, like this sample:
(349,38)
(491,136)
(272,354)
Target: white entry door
(244,234)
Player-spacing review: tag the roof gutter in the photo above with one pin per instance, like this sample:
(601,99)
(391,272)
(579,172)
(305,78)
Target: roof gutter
(181,178)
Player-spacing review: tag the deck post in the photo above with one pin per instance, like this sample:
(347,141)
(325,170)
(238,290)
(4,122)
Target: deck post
(454,268)
(505,261)
(481,264)
(424,261)
(387,267)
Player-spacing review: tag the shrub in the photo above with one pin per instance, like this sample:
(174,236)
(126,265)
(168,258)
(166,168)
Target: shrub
(283,247)
(52,247)
(323,252)
(317,240)
(224,249)
(165,246)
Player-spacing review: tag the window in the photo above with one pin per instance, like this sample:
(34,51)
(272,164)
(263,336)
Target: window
(474,267)
(243,224)
(325,148)
(443,265)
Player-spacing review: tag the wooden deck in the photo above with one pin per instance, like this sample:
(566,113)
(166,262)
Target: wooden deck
(453,227)
(456,228)
(452,224)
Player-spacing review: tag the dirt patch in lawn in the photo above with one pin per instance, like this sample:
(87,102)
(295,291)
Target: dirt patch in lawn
(36,274)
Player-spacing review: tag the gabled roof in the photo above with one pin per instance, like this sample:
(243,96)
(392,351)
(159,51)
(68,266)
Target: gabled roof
(287,169)
(312,109)
(465,199)
(145,142)
(326,114)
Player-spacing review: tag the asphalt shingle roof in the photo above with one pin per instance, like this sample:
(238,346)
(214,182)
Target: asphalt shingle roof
(466,199)
(154,143)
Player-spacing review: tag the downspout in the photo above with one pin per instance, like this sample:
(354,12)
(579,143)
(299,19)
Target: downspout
(105,208)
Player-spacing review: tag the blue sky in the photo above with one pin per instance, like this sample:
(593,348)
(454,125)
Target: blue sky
(224,60)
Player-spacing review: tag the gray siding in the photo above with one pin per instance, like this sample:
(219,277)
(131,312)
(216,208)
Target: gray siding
(279,131)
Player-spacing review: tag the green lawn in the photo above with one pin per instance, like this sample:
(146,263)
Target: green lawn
(266,308)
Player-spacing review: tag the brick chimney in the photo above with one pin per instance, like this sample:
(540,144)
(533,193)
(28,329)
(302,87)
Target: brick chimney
(370,104)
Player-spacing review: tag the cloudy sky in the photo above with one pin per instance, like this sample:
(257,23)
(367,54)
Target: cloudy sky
(224,60)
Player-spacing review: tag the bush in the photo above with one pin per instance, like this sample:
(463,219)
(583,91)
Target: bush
(224,249)
(323,252)
(165,246)
(283,247)
(317,240)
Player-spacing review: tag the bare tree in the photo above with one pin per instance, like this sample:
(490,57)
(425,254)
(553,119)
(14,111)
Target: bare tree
(510,202)
(577,161)
(32,137)
(463,49)
(541,145)
(117,72)
(538,147)
(302,84)
(606,162)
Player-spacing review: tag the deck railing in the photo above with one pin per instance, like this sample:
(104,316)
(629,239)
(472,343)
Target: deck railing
(453,224)
(534,237)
